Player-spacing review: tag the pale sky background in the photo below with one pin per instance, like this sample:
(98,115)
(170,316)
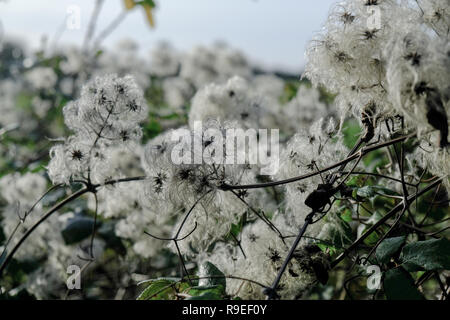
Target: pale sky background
(272,33)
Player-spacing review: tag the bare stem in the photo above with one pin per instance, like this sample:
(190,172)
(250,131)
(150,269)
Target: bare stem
(364,151)
(92,23)
(48,214)
(88,188)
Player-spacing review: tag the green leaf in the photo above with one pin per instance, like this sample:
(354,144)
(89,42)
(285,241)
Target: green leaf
(438,212)
(151,129)
(289,92)
(369,192)
(151,3)
(98,53)
(77,229)
(399,285)
(431,254)
(382,203)
(327,248)
(356,181)
(217,290)
(236,229)
(373,237)
(208,295)
(326,96)
(346,215)
(159,289)
(351,132)
(388,248)
(366,192)
(207,269)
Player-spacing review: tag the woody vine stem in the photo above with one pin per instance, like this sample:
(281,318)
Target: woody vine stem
(317,200)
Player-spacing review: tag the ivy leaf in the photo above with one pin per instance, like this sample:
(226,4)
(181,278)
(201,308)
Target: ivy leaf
(208,295)
(399,285)
(382,203)
(215,290)
(158,289)
(431,254)
(77,229)
(208,269)
(356,181)
(369,192)
(388,248)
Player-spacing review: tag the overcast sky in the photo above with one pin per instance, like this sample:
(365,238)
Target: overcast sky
(272,33)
